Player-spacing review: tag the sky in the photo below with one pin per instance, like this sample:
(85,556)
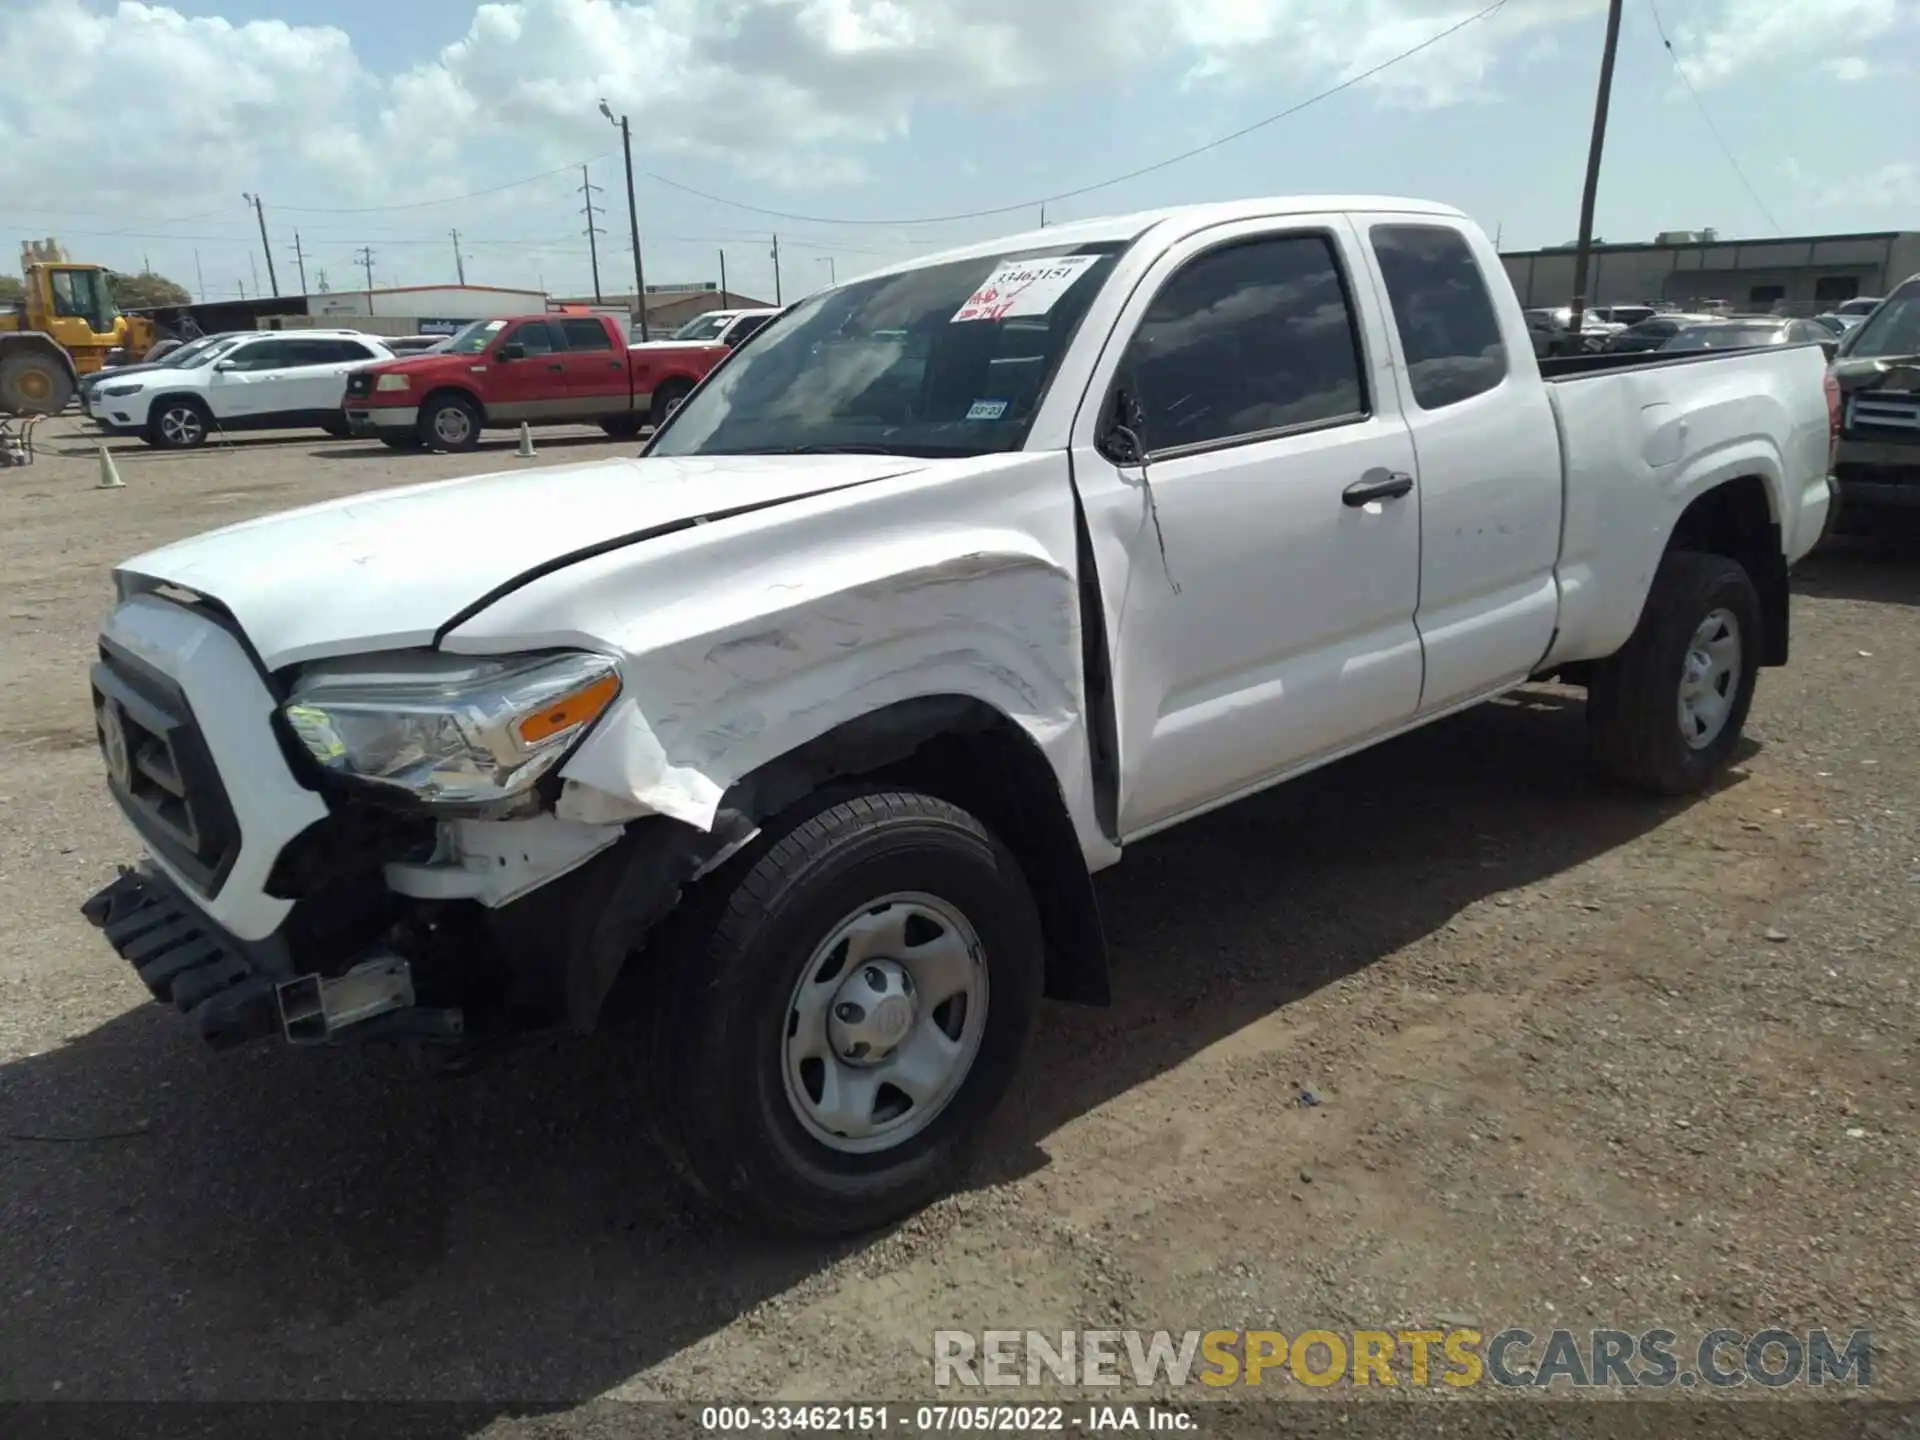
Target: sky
(132,132)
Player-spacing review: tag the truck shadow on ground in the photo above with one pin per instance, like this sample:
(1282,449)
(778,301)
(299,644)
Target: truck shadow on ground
(504,443)
(274,1224)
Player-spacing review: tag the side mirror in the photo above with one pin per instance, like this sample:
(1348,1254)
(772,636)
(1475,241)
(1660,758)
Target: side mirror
(225,365)
(1120,438)
(512,350)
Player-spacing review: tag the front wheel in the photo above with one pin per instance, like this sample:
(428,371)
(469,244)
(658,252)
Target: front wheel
(180,424)
(1666,712)
(853,1017)
(450,422)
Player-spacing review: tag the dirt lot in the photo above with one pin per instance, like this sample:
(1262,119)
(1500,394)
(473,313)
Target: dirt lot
(1579,1059)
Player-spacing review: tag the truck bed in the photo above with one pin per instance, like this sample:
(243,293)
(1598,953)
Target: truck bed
(1579,367)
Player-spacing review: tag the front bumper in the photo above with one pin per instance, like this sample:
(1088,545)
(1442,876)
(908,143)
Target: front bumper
(1878,472)
(224,985)
(373,420)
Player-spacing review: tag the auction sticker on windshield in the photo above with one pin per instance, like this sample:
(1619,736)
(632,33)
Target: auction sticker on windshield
(1023,287)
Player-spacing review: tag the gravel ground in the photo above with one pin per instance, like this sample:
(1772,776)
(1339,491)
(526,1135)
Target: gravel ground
(1580,1059)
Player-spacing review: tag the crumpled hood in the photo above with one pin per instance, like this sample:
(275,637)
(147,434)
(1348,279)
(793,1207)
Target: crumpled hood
(386,570)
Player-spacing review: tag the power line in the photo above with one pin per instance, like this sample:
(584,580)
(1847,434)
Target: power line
(568,168)
(1171,160)
(1714,129)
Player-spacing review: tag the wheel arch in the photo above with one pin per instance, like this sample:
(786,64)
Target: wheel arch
(1739,517)
(464,392)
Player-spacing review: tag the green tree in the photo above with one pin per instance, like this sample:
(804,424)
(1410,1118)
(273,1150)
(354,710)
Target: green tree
(13,290)
(135,292)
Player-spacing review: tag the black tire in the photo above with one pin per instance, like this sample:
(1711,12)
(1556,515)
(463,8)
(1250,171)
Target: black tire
(1635,721)
(719,1058)
(338,429)
(666,400)
(34,383)
(450,422)
(402,442)
(623,427)
(178,422)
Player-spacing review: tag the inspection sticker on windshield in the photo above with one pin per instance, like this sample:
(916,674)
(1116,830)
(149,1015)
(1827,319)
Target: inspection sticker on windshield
(1023,287)
(987,410)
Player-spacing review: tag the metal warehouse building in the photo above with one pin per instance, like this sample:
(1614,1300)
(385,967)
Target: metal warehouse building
(1798,275)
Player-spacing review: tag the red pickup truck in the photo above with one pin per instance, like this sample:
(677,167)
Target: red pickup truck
(541,369)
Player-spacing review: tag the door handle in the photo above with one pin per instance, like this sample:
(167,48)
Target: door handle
(1375,485)
(556,367)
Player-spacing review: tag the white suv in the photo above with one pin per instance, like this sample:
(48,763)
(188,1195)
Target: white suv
(271,380)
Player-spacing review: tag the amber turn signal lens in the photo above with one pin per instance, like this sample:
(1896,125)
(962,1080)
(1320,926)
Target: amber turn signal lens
(579,708)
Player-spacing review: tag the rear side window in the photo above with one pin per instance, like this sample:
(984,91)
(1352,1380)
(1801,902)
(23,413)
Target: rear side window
(586,335)
(1445,316)
(1247,339)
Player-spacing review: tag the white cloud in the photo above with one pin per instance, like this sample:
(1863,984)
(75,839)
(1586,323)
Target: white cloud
(1848,69)
(1893,186)
(1742,35)
(145,114)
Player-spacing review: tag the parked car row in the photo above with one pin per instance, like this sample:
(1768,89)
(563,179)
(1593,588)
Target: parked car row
(412,392)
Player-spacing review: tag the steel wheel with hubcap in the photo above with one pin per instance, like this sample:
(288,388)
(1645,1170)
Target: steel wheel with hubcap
(885,1022)
(450,422)
(1666,711)
(843,1011)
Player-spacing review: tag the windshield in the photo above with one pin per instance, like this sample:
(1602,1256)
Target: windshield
(83,295)
(949,359)
(212,351)
(1893,329)
(703,327)
(474,338)
(1726,337)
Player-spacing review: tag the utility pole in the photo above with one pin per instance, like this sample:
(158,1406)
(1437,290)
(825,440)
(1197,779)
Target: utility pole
(723,280)
(200,275)
(300,259)
(776,270)
(633,221)
(459,261)
(254,266)
(243,287)
(1043,217)
(260,214)
(587,187)
(364,259)
(320,286)
(833,277)
(1583,252)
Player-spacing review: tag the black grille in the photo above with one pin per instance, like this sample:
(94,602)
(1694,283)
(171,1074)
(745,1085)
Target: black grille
(359,384)
(160,771)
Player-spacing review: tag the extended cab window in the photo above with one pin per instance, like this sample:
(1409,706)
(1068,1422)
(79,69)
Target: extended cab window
(1445,316)
(585,335)
(1253,337)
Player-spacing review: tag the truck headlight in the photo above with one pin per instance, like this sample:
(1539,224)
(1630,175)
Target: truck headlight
(391,382)
(449,729)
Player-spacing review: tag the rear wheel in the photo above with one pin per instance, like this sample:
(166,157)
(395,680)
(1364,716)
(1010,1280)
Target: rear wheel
(828,1050)
(667,399)
(34,383)
(623,427)
(449,422)
(179,423)
(1666,712)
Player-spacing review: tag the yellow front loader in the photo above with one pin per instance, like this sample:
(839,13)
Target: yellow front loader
(63,329)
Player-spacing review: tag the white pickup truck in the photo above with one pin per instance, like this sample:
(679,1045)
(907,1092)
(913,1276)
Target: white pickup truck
(810,724)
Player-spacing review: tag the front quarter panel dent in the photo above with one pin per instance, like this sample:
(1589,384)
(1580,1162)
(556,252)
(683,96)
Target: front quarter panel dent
(700,714)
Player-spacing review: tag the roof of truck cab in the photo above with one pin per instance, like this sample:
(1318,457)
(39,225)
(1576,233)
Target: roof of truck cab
(1189,217)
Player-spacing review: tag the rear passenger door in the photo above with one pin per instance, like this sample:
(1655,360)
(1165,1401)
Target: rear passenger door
(1489,452)
(1260,571)
(320,368)
(598,378)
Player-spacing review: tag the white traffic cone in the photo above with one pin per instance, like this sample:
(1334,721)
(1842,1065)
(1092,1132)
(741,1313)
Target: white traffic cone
(526,441)
(109,475)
